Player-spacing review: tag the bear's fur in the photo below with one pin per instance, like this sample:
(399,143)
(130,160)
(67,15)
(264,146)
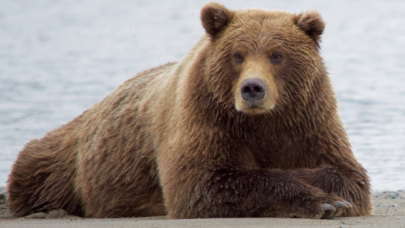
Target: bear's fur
(193,139)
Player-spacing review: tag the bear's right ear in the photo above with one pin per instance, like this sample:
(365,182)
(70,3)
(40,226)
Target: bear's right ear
(214,17)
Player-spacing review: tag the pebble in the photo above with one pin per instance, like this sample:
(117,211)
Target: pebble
(2,199)
(58,213)
(3,192)
(39,215)
(390,194)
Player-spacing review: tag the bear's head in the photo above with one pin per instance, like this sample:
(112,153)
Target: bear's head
(258,60)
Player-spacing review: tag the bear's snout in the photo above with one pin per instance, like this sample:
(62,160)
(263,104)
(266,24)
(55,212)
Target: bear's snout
(253,89)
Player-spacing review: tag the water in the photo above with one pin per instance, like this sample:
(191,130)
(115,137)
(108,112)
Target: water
(57,58)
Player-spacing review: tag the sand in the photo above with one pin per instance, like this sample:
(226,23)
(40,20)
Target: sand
(389,211)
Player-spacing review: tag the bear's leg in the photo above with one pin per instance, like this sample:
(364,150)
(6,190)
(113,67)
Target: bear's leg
(116,182)
(196,190)
(347,181)
(41,178)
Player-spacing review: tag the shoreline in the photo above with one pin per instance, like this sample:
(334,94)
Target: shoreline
(389,211)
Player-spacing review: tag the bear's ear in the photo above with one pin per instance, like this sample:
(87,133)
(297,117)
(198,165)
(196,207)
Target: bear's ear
(214,17)
(312,24)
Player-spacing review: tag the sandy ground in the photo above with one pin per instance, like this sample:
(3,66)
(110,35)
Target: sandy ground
(389,211)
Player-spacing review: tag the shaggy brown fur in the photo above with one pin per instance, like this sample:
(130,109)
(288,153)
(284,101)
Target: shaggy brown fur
(180,139)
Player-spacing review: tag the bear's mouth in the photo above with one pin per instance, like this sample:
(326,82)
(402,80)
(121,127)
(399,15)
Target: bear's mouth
(253,105)
(257,107)
(254,110)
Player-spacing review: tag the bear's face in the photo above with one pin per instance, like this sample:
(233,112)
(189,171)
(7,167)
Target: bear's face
(260,58)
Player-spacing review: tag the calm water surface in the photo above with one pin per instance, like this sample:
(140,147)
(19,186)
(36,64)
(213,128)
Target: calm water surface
(57,58)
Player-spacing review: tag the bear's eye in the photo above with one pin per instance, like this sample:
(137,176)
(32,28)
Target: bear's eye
(276,57)
(238,57)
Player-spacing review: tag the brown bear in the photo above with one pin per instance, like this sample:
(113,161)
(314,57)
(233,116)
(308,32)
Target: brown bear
(245,125)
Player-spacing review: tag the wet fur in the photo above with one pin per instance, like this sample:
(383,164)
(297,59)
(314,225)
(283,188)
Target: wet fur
(170,141)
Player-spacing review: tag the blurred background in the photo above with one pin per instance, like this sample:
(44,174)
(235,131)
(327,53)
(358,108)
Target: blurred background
(58,58)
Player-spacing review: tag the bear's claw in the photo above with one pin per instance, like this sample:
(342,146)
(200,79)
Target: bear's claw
(329,211)
(334,209)
(343,203)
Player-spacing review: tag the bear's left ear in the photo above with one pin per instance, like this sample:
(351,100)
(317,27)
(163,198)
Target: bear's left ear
(214,17)
(312,24)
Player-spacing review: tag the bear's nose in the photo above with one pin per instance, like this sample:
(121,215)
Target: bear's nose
(253,89)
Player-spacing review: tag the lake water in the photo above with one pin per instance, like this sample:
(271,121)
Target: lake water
(57,58)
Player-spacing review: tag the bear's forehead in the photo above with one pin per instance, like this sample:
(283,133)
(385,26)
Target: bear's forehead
(256,21)
(265,26)
(263,17)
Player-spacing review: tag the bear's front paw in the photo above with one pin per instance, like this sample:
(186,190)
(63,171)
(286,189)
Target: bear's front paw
(323,206)
(334,209)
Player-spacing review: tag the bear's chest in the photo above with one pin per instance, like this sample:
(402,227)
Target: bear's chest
(282,153)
